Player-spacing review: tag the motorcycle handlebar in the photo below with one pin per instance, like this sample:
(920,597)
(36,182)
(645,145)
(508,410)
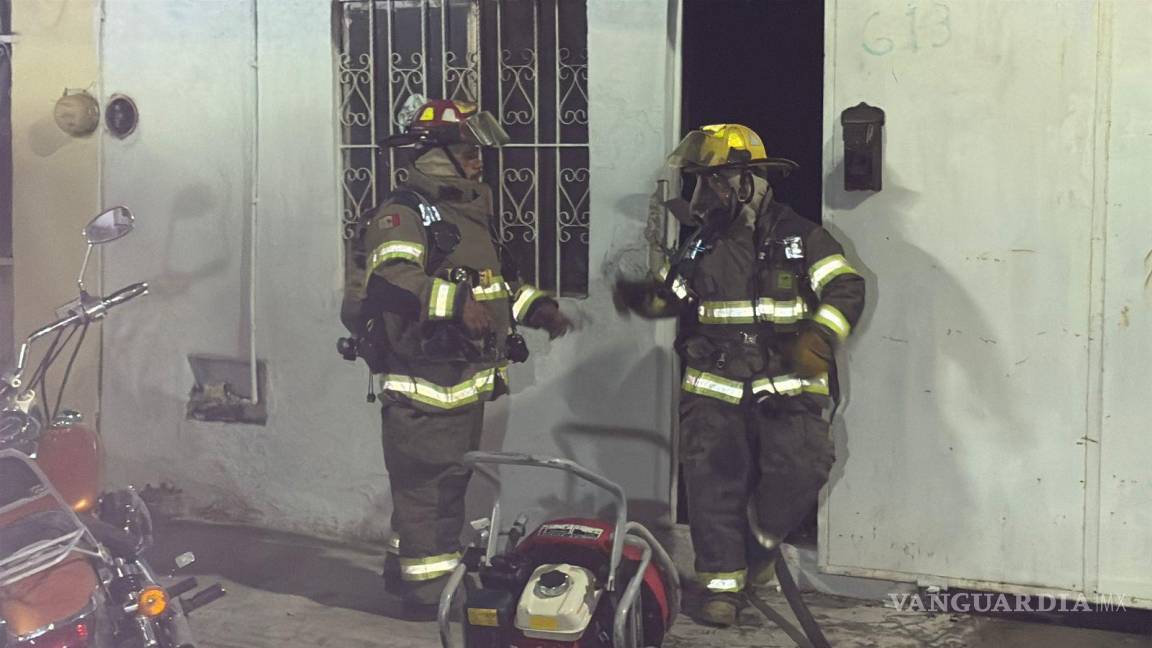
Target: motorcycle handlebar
(90,309)
(125,294)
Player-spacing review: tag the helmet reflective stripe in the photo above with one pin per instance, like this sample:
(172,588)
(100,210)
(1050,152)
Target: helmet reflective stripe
(723,145)
(731,138)
(717,145)
(445,121)
(418,109)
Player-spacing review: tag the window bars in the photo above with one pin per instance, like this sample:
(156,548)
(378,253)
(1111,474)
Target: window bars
(524,60)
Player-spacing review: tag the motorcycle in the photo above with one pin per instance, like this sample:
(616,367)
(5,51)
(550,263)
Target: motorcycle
(573,582)
(72,571)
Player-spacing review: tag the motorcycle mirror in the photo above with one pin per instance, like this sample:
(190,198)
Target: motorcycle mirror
(104,228)
(109,226)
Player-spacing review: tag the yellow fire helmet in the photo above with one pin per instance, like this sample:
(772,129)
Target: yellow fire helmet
(718,147)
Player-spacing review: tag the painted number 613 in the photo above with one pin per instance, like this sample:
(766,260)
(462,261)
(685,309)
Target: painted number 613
(935,25)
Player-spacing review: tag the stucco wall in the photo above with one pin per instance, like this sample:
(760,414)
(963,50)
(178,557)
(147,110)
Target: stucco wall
(599,395)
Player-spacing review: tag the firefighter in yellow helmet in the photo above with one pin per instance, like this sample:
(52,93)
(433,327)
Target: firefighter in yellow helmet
(764,297)
(433,303)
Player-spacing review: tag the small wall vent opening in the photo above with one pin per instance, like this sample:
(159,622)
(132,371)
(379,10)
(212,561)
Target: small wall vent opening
(223,390)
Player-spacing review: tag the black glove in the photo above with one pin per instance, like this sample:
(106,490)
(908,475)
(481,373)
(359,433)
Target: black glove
(648,299)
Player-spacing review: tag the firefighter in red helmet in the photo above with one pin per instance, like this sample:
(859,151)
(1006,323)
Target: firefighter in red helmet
(435,305)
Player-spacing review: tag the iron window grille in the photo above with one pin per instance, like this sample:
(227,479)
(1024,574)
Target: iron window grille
(526,61)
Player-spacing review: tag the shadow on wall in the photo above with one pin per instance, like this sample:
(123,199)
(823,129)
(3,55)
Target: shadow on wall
(611,426)
(836,198)
(601,397)
(924,431)
(185,248)
(170,278)
(624,449)
(45,137)
(196,214)
(602,429)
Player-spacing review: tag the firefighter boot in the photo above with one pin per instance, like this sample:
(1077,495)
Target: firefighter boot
(720,609)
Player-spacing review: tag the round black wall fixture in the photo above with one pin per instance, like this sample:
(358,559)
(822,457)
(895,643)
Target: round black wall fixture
(121,116)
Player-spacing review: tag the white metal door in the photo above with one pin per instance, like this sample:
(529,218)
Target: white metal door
(961,452)
(1122,547)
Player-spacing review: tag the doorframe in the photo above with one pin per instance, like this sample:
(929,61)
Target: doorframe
(7,251)
(665,332)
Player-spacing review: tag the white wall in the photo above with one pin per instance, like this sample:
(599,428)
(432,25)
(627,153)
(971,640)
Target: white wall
(975,377)
(188,174)
(599,396)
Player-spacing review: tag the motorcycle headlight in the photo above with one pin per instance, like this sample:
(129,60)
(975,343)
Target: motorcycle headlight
(127,510)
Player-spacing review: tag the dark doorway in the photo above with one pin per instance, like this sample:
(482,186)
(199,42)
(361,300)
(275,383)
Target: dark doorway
(760,63)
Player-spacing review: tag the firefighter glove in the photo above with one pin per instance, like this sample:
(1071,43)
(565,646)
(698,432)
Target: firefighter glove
(811,354)
(547,315)
(647,299)
(476,318)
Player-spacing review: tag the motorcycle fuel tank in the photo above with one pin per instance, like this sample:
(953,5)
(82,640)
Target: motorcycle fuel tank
(71,454)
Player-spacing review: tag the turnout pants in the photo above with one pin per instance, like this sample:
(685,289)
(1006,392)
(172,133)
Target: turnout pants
(776,455)
(422,453)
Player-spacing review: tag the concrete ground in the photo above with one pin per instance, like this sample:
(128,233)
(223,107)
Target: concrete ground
(293,591)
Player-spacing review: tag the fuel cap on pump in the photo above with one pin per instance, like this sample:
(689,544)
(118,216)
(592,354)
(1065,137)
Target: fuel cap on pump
(553,583)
